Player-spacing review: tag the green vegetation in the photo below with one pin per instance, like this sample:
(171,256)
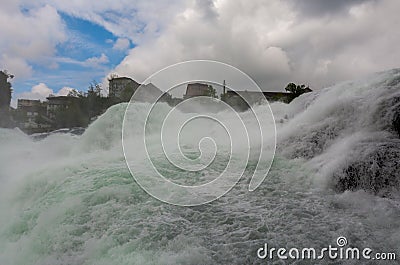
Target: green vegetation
(82,107)
(297,90)
(79,108)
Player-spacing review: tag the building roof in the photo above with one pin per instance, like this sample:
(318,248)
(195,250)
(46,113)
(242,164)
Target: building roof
(28,100)
(60,98)
(122,78)
(65,99)
(198,84)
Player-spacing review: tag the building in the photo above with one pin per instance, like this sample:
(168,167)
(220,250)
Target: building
(122,87)
(32,114)
(26,103)
(31,108)
(196,90)
(56,103)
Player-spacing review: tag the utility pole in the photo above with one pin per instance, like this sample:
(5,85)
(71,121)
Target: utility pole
(224,87)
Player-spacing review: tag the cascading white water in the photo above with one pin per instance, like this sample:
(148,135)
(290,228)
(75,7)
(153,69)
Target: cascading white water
(71,199)
(349,133)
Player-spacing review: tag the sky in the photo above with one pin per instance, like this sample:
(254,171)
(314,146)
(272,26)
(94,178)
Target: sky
(53,46)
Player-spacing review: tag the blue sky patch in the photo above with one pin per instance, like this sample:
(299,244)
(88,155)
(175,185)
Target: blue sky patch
(69,67)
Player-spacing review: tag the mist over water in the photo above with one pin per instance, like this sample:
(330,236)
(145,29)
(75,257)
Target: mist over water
(71,199)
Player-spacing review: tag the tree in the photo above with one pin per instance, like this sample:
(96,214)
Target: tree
(5,89)
(82,107)
(297,90)
(211,92)
(5,99)
(75,93)
(95,87)
(291,87)
(94,102)
(75,115)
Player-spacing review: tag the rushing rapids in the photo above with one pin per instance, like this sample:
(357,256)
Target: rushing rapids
(70,199)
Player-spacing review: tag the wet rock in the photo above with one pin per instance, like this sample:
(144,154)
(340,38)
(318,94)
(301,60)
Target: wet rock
(377,171)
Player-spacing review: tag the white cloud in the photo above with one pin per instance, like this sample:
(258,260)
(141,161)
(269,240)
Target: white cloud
(133,19)
(122,44)
(96,61)
(16,65)
(28,36)
(64,91)
(275,43)
(235,33)
(93,62)
(40,91)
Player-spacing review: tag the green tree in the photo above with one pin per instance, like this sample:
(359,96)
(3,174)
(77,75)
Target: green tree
(75,115)
(95,102)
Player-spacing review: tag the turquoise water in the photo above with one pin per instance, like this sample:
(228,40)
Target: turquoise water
(71,199)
